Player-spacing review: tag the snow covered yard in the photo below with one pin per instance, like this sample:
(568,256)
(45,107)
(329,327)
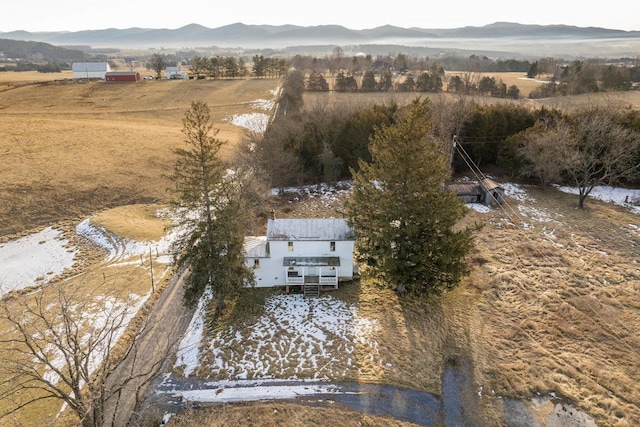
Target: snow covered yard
(34,259)
(294,338)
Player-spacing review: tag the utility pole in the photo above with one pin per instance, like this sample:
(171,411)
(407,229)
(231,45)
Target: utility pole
(454,142)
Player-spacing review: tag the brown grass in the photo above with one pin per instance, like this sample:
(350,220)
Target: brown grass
(560,314)
(135,222)
(69,150)
(281,413)
(73,149)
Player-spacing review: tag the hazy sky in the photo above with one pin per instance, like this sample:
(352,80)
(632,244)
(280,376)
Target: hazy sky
(76,15)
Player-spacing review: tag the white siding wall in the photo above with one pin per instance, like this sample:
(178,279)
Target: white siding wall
(272,272)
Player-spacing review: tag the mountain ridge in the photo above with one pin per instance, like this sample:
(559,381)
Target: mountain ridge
(508,37)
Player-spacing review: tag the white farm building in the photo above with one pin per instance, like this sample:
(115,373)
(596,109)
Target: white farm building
(306,253)
(174,73)
(90,70)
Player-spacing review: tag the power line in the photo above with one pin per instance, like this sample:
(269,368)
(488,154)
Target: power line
(480,176)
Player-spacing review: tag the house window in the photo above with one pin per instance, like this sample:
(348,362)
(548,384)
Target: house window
(256,263)
(290,246)
(267,249)
(332,246)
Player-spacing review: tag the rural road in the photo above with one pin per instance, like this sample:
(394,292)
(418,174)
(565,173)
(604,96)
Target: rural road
(456,407)
(167,321)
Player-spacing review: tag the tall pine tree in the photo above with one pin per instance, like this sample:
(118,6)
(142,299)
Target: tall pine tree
(405,221)
(210,213)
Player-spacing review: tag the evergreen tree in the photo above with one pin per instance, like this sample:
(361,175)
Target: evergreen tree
(403,218)
(317,83)
(369,83)
(407,85)
(345,83)
(386,82)
(533,70)
(210,213)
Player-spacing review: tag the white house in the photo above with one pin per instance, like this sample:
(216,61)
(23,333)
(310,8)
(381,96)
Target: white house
(90,70)
(173,73)
(308,253)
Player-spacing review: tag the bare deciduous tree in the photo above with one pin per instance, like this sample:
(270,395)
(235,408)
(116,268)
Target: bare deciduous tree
(600,151)
(448,119)
(157,64)
(59,343)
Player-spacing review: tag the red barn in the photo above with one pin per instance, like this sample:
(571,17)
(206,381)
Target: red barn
(122,76)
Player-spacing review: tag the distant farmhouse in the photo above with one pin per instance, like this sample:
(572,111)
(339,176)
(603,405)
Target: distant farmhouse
(90,70)
(312,254)
(173,73)
(122,76)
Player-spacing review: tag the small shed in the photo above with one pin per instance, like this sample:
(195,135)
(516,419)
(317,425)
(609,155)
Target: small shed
(487,192)
(468,193)
(122,76)
(493,192)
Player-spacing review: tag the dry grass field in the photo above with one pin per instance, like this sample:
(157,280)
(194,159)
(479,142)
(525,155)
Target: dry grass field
(557,305)
(548,308)
(279,413)
(71,149)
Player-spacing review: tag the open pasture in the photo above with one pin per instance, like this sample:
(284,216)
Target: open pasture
(71,149)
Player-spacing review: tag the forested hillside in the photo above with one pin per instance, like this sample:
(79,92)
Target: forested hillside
(36,51)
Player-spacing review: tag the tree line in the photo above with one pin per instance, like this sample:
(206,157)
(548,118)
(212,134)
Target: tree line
(578,77)
(325,143)
(217,67)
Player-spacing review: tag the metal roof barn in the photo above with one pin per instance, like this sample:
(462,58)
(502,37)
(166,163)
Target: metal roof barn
(90,70)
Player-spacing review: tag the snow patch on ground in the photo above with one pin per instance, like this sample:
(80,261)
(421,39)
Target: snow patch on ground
(244,394)
(189,349)
(515,191)
(34,259)
(120,248)
(478,207)
(534,214)
(296,337)
(629,198)
(255,122)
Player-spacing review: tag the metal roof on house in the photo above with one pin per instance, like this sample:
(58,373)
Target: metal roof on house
(329,229)
(255,246)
